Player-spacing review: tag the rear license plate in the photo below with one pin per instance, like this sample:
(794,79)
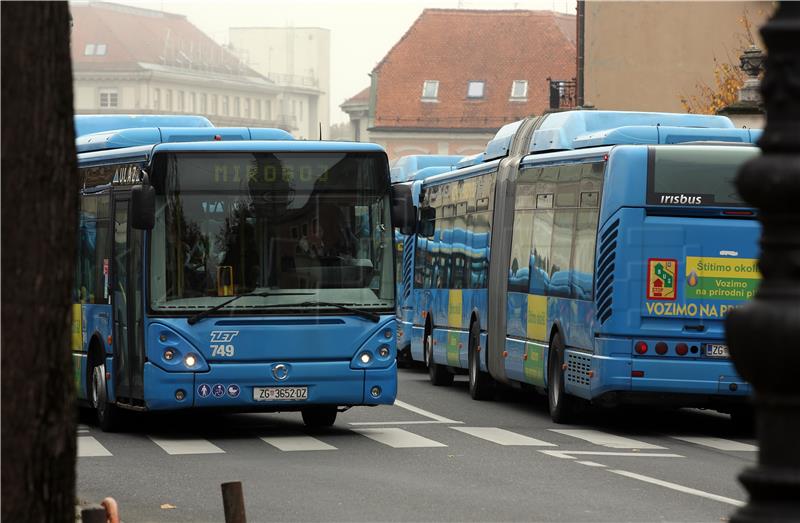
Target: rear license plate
(280,393)
(714,350)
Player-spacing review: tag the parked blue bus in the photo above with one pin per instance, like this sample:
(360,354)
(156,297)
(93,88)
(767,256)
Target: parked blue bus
(410,171)
(592,255)
(232,268)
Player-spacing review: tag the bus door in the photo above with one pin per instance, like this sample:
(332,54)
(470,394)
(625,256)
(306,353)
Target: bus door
(128,347)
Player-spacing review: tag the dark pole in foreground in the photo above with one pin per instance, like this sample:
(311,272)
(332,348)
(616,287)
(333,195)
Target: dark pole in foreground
(233,502)
(764,335)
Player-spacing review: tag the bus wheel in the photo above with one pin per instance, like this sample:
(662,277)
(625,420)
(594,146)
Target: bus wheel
(480,383)
(319,416)
(107,414)
(562,405)
(438,374)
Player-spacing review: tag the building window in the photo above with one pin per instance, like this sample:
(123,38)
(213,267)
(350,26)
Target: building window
(88,50)
(100,50)
(236,107)
(519,89)
(109,98)
(181,105)
(192,100)
(475,89)
(203,103)
(430,89)
(168,99)
(258,109)
(156,98)
(213,104)
(247,107)
(225,110)
(301,110)
(268,110)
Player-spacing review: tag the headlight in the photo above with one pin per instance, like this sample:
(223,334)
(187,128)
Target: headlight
(365,357)
(190,360)
(383,351)
(169,354)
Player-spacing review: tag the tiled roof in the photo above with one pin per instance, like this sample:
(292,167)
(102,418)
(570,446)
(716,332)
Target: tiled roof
(134,36)
(361,97)
(458,46)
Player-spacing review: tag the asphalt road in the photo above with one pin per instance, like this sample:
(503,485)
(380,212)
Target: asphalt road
(436,455)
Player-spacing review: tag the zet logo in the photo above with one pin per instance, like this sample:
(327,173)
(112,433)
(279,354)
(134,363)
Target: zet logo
(661,279)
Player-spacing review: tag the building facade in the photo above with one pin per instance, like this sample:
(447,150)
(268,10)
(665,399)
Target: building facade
(297,60)
(165,66)
(457,76)
(628,65)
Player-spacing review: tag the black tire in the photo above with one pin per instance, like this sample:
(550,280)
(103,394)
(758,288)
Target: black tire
(743,419)
(108,415)
(438,374)
(561,404)
(481,386)
(319,416)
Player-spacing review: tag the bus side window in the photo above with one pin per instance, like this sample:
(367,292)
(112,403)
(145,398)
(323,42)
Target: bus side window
(521,248)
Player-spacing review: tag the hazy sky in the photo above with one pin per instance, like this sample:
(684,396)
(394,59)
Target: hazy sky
(362,32)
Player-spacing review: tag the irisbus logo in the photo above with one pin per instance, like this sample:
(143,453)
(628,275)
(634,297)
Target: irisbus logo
(681,199)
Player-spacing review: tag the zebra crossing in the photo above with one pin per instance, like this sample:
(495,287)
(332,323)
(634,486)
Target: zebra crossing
(565,440)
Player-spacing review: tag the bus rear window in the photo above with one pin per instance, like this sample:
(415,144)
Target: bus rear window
(696,175)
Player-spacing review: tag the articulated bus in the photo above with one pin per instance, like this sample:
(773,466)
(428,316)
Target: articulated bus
(232,268)
(593,256)
(410,171)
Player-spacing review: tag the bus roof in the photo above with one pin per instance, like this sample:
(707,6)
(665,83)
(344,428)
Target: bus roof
(121,138)
(270,146)
(410,167)
(581,129)
(97,123)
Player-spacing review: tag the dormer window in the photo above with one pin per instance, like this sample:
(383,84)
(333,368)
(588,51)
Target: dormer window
(94,50)
(430,90)
(475,89)
(519,90)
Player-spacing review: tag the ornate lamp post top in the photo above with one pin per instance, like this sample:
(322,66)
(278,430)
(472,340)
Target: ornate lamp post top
(752,61)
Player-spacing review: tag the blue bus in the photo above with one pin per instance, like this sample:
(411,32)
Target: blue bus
(232,268)
(410,171)
(591,255)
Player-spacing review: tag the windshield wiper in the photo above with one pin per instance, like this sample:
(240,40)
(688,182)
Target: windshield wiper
(358,312)
(200,315)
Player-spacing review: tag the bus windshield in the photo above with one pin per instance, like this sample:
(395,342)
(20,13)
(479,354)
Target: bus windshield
(696,175)
(308,228)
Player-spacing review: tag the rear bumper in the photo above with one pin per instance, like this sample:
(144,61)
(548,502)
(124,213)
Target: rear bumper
(329,383)
(611,376)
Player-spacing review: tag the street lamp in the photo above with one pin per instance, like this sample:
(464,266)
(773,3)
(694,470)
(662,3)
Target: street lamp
(764,334)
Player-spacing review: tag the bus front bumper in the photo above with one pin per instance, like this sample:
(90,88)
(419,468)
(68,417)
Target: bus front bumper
(233,386)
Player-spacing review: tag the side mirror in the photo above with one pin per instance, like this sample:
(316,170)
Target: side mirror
(403,214)
(143,205)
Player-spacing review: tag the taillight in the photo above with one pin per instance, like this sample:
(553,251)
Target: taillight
(681,349)
(640,347)
(661,348)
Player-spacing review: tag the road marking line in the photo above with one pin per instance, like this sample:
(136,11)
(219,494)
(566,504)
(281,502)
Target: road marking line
(372,423)
(606,440)
(398,438)
(297,443)
(590,463)
(503,437)
(718,443)
(679,488)
(570,454)
(88,447)
(175,446)
(417,410)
